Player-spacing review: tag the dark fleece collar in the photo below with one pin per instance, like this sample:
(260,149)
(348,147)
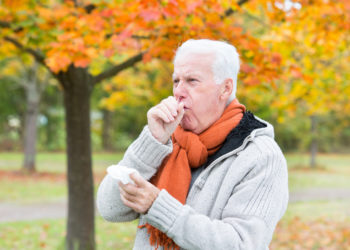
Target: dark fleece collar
(234,140)
(236,137)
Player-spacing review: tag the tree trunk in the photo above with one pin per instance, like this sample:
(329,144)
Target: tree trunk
(31,117)
(49,130)
(30,136)
(314,141)
(80,223)
(106,130)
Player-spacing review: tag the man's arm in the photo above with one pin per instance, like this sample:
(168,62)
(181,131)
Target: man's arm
(244,225)
(145,154)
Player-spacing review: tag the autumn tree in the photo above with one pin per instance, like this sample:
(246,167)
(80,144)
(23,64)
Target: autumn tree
(311,40)
(12,109)
(131,94)
(315,40)
(33,78)
(83,43)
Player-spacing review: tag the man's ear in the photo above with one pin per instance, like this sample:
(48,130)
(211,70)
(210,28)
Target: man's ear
(226,89)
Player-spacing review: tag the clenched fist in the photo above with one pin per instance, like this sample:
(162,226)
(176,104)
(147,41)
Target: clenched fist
(164,118)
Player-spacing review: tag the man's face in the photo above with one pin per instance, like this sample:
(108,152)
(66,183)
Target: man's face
(194,86)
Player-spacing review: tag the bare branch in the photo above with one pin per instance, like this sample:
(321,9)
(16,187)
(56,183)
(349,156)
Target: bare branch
(117,68)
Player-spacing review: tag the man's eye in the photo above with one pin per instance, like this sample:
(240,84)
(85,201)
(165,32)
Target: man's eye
(192,79)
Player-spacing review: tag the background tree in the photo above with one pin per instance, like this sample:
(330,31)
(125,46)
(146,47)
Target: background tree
(312,41)
(132,93)
(24,72)
(12,110)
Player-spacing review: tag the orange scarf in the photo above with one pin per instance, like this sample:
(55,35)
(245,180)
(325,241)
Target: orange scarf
(190,151)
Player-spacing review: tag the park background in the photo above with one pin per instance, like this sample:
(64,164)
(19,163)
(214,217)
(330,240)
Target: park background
(77,78)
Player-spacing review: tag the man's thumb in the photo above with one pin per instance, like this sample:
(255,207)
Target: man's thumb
(137,178)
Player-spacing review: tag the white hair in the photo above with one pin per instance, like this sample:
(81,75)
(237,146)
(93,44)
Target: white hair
(225,64)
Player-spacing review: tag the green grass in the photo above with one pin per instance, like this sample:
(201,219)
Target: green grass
(333,173)
(32,189)
(338,210)
(326,160)
(49,234)
(55,162)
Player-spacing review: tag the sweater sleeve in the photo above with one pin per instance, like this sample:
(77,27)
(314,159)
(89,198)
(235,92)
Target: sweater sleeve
(145,155)
(244,225)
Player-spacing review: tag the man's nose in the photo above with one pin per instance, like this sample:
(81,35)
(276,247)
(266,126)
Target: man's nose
(179,91)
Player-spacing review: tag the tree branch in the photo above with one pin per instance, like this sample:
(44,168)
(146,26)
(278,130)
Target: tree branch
(230,11)
(36,54)
(4,24)
(117,68)
(7,25)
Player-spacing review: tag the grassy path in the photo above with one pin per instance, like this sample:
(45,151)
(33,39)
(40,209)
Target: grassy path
(10,212)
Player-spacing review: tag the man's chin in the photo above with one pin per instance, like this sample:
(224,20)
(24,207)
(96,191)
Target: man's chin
(188,126)
(185,125)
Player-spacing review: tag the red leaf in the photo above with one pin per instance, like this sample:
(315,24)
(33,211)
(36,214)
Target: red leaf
(151,14)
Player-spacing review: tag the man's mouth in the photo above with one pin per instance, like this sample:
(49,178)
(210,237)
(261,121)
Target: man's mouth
(185,107)
(186,110)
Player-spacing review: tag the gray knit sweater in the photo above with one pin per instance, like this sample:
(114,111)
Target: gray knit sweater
(235,203)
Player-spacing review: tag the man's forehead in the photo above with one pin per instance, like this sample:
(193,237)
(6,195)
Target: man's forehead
(186,73)
(192,64)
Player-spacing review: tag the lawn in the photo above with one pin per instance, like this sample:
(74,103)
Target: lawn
(306,225)
(50,182)
(55,162)
(333,173)
(50,233)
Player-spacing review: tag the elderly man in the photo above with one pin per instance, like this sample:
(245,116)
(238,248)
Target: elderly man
(211,174)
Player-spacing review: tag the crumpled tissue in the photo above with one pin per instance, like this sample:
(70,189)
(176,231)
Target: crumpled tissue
(121,173)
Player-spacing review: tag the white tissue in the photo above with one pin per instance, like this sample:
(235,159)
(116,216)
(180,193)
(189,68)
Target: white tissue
(121,173)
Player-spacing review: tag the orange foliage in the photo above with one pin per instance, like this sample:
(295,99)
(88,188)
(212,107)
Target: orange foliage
(15,4)
(297,53)
(315,234)
(107,31)
(313,40)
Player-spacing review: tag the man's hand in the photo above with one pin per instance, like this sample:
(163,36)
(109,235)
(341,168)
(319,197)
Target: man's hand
(139,196)
(164,118)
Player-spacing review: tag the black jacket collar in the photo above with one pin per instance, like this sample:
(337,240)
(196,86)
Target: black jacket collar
(236,137)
